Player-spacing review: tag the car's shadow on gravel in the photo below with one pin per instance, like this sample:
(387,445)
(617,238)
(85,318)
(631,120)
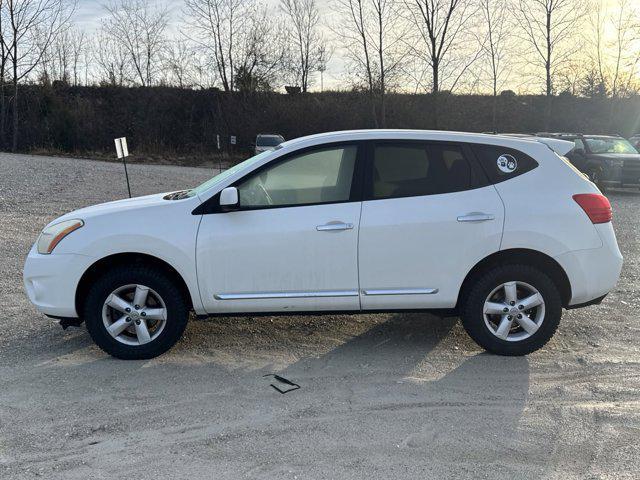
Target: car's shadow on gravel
(393,372)
(397,394)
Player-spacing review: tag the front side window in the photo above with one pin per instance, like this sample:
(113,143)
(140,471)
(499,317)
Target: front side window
(414,169)
(318,176)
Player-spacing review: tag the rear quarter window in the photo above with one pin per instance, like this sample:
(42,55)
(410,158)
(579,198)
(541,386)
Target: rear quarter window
(502,163)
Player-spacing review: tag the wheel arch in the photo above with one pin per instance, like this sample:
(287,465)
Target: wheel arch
(127,258)
(523,256)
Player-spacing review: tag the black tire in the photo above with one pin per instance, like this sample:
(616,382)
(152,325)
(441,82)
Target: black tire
(156,279)
(483,284)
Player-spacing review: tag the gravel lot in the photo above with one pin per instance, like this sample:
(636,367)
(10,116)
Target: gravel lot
(383,396)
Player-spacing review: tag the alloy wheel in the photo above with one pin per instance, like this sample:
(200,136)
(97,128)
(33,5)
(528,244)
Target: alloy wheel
(514,311)
(134,314)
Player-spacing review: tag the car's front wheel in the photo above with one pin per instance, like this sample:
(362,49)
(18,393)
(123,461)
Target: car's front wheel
(135,312)
(512,309)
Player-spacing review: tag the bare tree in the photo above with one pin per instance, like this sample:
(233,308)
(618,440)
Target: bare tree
(78,43)
(111,59)
(214,25)
(443,30)
(596,39)
(61,58)
(262,48)
(180,60)
(624,25)
(32,26)
(308,42)
(549,28)
(494,42)
(373,32)
(4,59)
(354,32)
(140,29)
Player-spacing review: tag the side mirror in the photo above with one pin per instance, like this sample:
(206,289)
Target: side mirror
(229,198)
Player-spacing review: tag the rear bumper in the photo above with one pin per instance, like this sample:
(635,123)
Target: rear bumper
(51,281)
(595,301)
(593,272)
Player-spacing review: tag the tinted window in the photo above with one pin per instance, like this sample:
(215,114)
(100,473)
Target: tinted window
(319,176)
(579,144)
(502,163)
(412,169)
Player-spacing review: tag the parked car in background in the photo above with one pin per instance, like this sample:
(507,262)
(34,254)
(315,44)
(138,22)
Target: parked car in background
(500,230)
(608,160)
(267,141)
(635,141)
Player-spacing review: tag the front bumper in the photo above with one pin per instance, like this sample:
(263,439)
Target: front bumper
(51,281)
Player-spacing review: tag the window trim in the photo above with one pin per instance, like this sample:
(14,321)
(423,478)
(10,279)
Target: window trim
(479,178)
(212,205)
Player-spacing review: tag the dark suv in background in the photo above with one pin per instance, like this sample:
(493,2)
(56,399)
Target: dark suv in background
(608,160)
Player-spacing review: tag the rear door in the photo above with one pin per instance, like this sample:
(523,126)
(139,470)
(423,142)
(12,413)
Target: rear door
(428,217)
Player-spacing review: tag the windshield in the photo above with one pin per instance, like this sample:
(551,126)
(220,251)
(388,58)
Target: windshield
(610,145)
(269,140)
(227,173)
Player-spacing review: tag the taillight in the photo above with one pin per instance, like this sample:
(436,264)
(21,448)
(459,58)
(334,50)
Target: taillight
(596,206)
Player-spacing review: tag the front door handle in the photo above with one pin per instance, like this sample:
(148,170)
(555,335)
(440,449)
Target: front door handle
(476,217)
(334,226)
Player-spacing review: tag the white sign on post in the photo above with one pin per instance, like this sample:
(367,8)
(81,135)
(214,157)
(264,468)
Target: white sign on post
(123,152)
(218,141)
(121,147)
(233,139)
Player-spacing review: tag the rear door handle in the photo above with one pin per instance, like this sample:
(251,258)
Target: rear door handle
(476,217)
(334,226)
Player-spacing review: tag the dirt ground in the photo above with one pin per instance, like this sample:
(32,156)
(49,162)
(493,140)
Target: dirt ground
(382,396)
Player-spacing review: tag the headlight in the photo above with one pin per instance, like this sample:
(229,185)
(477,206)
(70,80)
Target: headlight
(51,236)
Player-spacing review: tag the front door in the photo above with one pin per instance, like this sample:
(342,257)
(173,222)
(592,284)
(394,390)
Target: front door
(292,244)
(426,221)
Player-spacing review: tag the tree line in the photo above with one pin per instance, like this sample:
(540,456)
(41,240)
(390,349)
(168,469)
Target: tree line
(386,49)
(174,122)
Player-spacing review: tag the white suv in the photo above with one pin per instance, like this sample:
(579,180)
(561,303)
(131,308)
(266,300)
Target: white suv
(500,230)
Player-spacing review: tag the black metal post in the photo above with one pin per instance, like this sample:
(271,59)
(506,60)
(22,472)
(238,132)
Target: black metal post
(126,174)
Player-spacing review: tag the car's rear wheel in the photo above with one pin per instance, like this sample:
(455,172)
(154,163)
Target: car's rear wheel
(512,309)
(135,312)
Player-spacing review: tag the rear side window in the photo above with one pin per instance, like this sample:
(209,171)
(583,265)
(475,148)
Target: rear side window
(415,169)
(502,163)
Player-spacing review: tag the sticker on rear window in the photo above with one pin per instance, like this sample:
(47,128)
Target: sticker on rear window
(507,163)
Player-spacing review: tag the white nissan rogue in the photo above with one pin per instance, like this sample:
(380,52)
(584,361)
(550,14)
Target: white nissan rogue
(500,230)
